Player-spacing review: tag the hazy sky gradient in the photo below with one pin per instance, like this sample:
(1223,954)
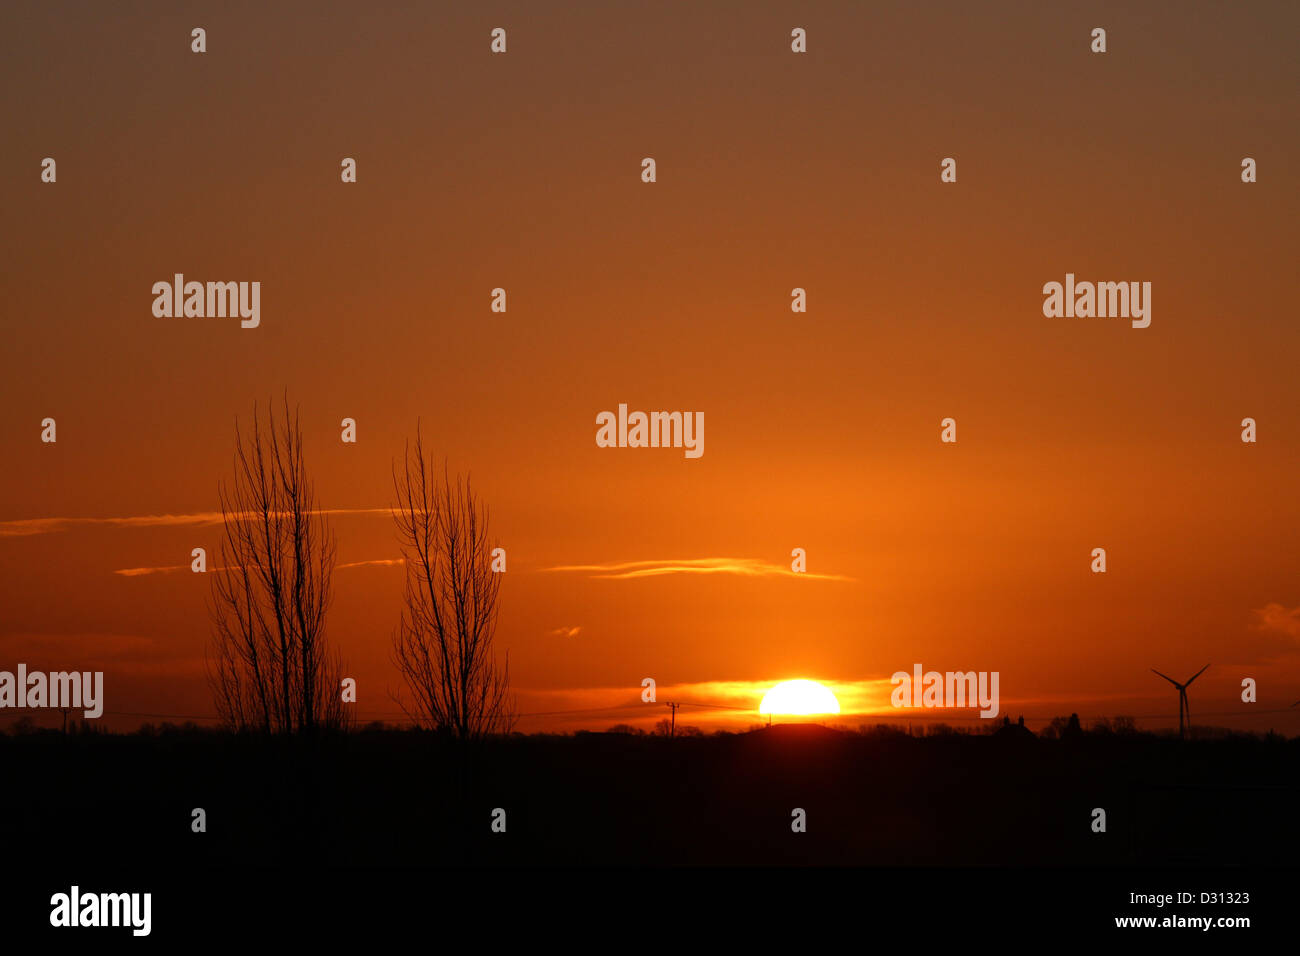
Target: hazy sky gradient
(822,430)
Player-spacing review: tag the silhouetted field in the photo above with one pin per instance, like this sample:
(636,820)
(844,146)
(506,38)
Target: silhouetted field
(410,798)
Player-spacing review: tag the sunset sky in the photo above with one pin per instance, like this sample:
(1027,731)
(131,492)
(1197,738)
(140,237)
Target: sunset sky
(775,171)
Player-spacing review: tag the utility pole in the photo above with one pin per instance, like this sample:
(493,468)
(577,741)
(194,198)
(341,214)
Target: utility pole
(672,727)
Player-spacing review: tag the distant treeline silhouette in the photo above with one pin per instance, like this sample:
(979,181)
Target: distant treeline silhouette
(1054,728)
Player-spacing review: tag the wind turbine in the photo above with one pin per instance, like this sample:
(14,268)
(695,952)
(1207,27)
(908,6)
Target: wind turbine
(1182,698)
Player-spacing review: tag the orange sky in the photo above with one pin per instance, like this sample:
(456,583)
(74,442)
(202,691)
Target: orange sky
(775,170)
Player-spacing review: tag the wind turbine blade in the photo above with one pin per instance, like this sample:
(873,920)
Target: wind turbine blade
(1197,674)
(1168,678)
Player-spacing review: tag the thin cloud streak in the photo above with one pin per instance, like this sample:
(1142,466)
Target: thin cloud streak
(745,567)
(167,569)
(26,527)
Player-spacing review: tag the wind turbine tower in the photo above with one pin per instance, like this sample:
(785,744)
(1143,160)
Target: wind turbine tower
(1184,712)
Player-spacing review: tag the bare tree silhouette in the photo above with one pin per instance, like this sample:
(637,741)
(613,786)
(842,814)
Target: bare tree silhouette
(443,644)
(271,669)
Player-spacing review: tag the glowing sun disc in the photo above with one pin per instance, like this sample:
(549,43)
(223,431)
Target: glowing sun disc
(801,697)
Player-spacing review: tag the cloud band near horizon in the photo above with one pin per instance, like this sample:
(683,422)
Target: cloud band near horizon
(745,567)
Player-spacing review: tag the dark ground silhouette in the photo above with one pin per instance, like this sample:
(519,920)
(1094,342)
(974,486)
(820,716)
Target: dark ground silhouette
(409,798)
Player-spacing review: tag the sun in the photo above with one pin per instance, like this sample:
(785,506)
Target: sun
(799,697)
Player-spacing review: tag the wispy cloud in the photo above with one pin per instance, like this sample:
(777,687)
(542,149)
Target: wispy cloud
(168,569)
(376,563)
(25,527)
(745,567)
(137,572)
(130,657)
(565,632)
(1279,618)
